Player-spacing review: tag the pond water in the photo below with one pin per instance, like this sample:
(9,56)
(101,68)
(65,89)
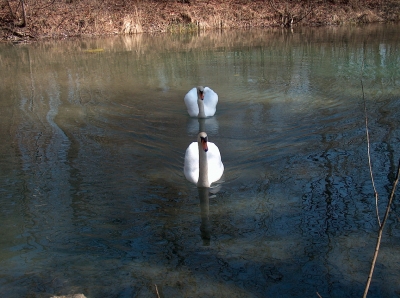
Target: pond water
(94,132)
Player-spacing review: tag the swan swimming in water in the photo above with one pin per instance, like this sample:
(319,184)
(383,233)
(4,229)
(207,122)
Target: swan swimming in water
(203,164)
(201,102)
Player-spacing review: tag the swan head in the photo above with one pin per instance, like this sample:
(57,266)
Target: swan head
(202,139)
(200,92)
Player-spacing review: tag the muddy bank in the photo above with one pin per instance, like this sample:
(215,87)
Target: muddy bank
(38,19)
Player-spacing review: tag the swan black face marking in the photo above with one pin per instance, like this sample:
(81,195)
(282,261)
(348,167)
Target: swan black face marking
(201,93)
(204,141)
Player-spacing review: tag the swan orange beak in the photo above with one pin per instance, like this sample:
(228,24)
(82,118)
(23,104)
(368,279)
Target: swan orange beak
(204,144)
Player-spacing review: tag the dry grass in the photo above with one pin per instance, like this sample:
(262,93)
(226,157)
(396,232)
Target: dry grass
(132,23)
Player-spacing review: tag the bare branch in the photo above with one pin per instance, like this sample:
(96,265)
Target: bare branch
(381,225)
(378,241)
(9,6)
(305,15)
(292,13)
(369,156)
(158,295)
(275,8)
(22,22)
(45,6)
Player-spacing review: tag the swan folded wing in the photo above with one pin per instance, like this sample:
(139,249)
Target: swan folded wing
(191,102)
(215,165)
(210,101)
(191,165)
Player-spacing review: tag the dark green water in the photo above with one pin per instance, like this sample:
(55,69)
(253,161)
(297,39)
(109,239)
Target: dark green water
(93,135)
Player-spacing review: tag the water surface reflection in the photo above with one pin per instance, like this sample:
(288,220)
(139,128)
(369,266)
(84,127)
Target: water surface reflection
(93,195)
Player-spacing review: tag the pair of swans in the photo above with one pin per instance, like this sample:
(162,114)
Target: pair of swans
(203,164)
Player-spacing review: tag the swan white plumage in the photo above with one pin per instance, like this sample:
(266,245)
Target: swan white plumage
(203,164)
(201,102)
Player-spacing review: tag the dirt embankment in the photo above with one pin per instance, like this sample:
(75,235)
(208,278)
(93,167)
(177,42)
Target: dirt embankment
(24,20)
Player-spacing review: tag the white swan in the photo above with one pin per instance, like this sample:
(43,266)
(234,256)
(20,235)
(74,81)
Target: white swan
(203,164)
(201,102)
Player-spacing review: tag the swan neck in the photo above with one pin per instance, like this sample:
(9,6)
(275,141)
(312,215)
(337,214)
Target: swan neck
(200,103)
(203,168)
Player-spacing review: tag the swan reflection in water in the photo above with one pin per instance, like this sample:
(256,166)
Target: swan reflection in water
(203,166)
(196,125)
(205,227)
